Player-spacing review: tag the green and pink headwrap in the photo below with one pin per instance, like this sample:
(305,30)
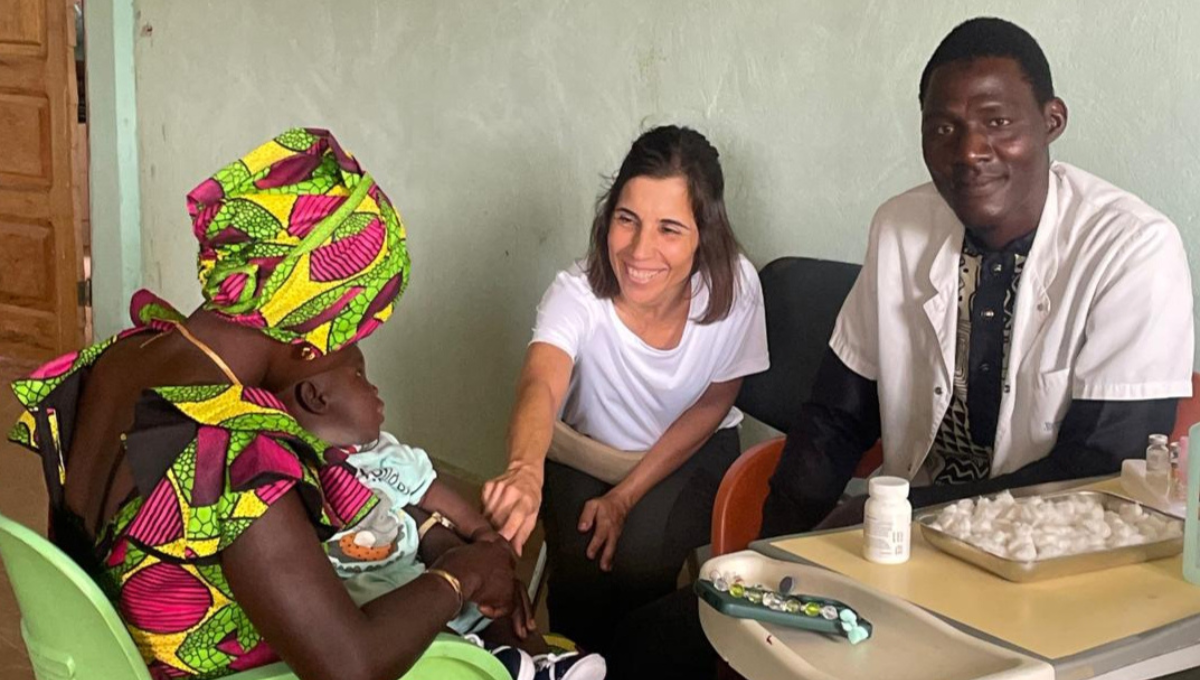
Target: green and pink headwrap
(297,240)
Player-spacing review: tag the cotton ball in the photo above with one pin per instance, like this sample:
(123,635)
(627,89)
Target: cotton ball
(998,549)
(1018,545)
(1054,515)
(1151,527)
(945,517)
(1098,528)
(1130,512)
(1026,553)
(960,527)
(1050,551)
(1027,513)
(943,520)
(1044,541)
(1077,506)
(980,513)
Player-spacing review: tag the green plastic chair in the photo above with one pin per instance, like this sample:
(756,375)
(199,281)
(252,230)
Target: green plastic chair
(71,630)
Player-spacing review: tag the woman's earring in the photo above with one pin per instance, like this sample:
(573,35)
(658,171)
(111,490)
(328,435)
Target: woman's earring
(308,353)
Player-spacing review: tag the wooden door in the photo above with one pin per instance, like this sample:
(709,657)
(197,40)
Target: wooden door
(40,263)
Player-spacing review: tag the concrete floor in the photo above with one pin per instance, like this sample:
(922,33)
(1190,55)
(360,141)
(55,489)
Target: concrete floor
(23,498)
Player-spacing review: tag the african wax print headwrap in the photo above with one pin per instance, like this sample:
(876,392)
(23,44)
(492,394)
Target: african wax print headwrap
(297,240)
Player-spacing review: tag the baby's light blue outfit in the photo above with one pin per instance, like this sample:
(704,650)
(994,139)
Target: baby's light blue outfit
(379,554)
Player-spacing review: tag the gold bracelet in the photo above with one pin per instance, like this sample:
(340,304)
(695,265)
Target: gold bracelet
(434,518)
(425,526)
(454,583)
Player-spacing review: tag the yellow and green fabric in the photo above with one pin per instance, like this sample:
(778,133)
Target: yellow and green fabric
(296,239)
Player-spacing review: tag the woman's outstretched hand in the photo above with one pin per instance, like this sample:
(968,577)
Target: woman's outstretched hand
(511,502)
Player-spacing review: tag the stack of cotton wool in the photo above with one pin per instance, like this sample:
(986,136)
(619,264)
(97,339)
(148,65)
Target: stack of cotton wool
(1036,529)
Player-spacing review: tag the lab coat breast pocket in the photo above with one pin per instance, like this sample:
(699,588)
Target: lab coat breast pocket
(1050,400)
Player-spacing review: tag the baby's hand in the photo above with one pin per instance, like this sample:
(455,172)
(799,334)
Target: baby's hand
(523,621)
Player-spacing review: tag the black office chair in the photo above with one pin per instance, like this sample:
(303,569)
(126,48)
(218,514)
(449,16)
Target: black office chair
(802,297)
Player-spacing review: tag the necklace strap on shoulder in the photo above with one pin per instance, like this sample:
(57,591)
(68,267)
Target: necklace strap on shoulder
(216,358)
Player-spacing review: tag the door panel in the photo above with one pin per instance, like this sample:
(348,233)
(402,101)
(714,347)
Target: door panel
(22,28)
(40,262)
(26,160)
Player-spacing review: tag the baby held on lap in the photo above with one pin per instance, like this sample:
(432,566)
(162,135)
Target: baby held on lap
(388,548)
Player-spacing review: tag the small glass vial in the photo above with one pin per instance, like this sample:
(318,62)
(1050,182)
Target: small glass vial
(1175,491)
(1158,465)
(887,532)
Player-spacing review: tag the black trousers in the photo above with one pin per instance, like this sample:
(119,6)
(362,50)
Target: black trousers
(587,604)
(663,641)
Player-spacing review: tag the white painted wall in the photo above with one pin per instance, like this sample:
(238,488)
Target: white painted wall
(491,124)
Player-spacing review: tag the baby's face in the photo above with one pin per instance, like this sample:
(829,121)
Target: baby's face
(354,413)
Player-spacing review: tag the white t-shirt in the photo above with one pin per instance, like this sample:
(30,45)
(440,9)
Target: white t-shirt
(625,393)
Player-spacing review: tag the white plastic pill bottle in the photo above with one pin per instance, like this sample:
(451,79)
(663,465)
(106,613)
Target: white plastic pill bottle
(887,533)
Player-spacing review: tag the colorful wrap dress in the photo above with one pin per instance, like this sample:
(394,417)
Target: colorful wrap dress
(207,461)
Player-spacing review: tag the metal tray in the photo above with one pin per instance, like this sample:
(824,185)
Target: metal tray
(1055,567)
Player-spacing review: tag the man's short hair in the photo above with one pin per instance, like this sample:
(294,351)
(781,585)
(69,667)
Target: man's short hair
(991,37)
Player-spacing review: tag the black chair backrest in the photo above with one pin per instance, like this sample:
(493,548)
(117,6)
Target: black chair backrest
(803,297)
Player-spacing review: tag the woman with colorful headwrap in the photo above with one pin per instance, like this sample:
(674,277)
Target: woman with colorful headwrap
(181,483)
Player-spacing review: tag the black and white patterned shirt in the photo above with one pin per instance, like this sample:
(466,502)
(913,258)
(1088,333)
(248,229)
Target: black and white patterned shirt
(987,293)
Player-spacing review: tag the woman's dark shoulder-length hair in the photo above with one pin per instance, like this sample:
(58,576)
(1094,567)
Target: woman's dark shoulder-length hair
(673,151)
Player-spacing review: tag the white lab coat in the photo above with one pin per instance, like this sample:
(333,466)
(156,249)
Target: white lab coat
(1103,312)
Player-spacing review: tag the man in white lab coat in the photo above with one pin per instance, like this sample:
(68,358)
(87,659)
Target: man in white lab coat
(1016,320)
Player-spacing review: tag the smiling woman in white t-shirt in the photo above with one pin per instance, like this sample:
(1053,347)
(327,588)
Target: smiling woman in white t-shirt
(642,347)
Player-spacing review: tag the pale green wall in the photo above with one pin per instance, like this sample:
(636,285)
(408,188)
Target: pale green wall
(113,157)
(491,123)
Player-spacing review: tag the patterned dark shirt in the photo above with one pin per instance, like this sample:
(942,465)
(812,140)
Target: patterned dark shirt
(987,292)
